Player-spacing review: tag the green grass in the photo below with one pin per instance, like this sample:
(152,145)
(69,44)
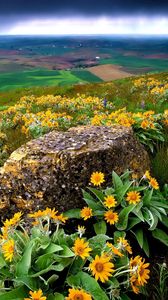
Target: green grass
(86,76)
(135,62)
(118,91)
(38,77)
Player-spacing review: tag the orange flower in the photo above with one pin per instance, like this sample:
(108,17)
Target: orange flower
(153,183)
(36,295)
(115,250)
(134,284)
(143,273)
(111,217)
(97,178)
(124,245)
(60,218)
(13,221)
(110,201)
(76,294)
(81,248)
(86,213)
(8,249)
(145,124)
(101,267)
(48,212)
(133,197)
(139,273)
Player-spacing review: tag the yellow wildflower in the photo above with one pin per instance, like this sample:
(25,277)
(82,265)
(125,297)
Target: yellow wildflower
(102,268)
(81,248)
(86,213)
(36,295)
(111,217)
(133,197)
(110,201)
(97,178)
(153,183)
(76,294)
(8,249)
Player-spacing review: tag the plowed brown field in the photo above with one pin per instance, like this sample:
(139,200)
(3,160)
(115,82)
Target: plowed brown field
(109,72)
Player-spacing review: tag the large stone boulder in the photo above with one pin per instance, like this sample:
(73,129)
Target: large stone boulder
(51,170)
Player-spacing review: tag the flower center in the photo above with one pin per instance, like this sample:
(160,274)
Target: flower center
(78,297)
(99,267)
(80,250)
(10,250)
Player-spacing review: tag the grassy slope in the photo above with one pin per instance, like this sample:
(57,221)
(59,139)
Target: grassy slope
(134,62)
(118,90)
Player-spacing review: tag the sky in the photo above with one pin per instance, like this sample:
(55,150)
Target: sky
(83,17)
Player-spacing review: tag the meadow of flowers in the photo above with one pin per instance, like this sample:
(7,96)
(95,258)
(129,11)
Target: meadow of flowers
(33,116)
(103,250)
(51,262)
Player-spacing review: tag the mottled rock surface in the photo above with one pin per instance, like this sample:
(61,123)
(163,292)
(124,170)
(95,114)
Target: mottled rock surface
(51,170)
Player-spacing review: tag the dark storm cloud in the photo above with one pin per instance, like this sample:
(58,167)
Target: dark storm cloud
(91,7)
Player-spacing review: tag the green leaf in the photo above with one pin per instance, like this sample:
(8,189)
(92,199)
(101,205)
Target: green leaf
(145,245)
(122,191)
(160,235)
(66,252)
(109,191)
(161,210)
(154,221)
(23,266)
(159,204)
(44,261)
(32,283)
(120,187)
(122,261)
(16,294)
(99,213)
(117,182)
(73,213)
(139,214)
(91,202)
(147,215)
(56,296)
(63,263)
(89,284)
(132,221)
(2,261)
(50,268)
(123,217)
(139,236)
(147,197)
(98,242)
(76,266)
(165,221)
(138,206)
(126,175)
(100,227)
(156,212)
(52,279)
(114,283)
(99,194)
(52,248)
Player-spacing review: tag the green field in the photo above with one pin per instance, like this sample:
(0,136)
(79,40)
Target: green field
(38,77)
(133,62)
(27,62)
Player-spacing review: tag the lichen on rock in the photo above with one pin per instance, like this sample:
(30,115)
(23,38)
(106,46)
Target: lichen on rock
(52,170)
